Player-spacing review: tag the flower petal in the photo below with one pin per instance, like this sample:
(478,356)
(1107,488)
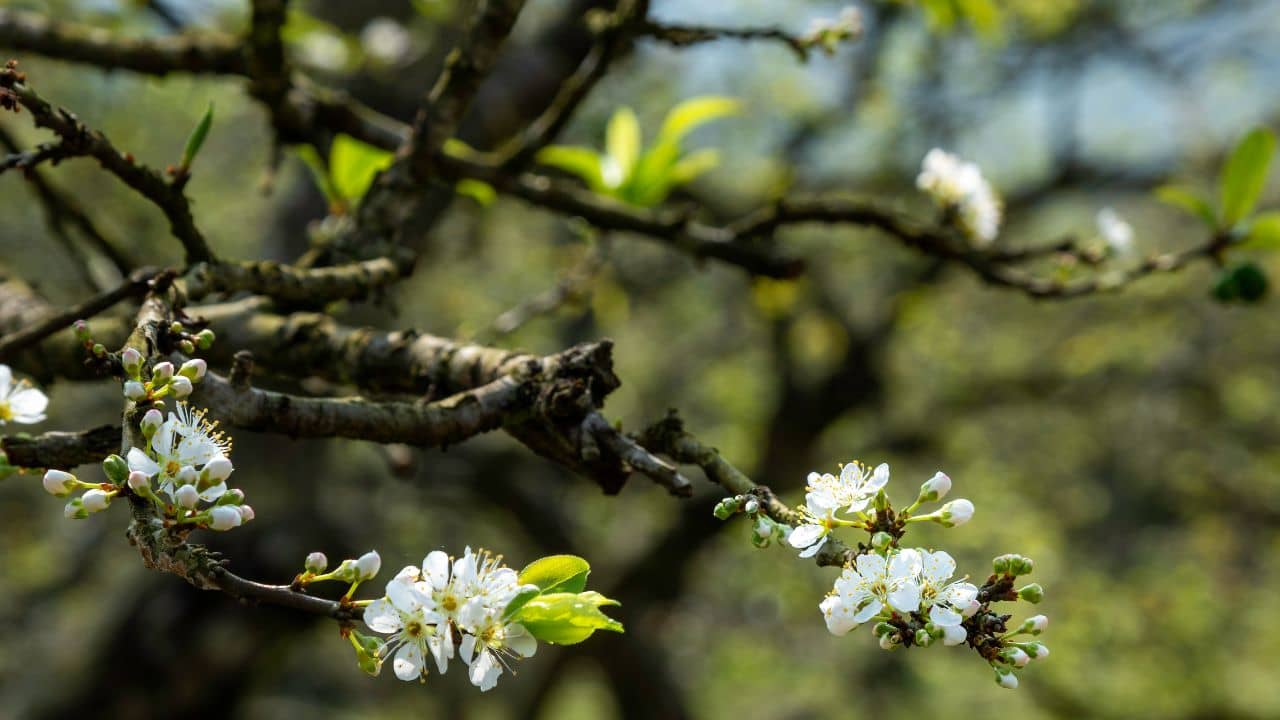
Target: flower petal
(936,567)
(139,461)
(519,640)
(407,663)
(806,535)
(435,567)
(871,566)
(381,616)
(814,548)
(868,611)
(29,402)
(905,597)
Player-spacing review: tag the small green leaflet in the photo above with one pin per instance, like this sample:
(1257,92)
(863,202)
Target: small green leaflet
(196,139)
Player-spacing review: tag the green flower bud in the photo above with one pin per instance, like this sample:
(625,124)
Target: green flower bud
(881,502)
(316,562)
(234,496)
(81,330)
(1032,593)
(204,339)
(75,510)
(131,361)
(186,347)
(1006,679)
(175,327)
(728,506)
(99,350)
(1021,565)
(883,628)
(117,469)
(881,540)
(1000,565)
(923,638)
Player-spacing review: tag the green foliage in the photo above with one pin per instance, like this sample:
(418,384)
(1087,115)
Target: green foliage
(1245,283)
(626,171)
(559,609)
(566,618)
(353,165)
(1189,200)
(1244,175)
(1264,232)
(985,16)
(196,140)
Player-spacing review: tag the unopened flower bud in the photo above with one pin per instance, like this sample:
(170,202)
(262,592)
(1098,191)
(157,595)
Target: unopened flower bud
(246,513)
(923,638)
(727,507)
(1006,679)
(956,512)
(1032,593)
(75,510)
(81,330)
(1035,650)
(881,540)
(316,562)
(1015,657)
(346,571)
(953,635)
(883,628)
(1035,624)
(204,339)
(59,483)
(180,386)
(751,507)
(131,360)
(935,488)
(881,501)
(234,496)
(187,497)
(176,327)
(95,500)
(186,347)
(218,469)
(1021,565)
(194,370)
(151,422)
(134,390)
(368,565)
(890,641)
(140,483)
(98,350)
(224,517)
(116,469)
(162,373)
(186,475)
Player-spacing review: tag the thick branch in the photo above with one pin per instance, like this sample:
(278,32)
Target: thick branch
(135,286)
(63,450)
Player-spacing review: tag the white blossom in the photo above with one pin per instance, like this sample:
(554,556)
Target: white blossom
(1006,679)
(184,445)
(95,500)
(957,184)
(936,487)
(956,512)
(945,601)
(1115,231)
(491,643)
(417,629)
(863,591)
(224,517)
(1036,624)
(368,565)
(953,635)
(385,40)
(828,494)
(19,402)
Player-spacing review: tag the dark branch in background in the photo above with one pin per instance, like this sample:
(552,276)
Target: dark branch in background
(686,35)
(62,210)
(81,141)
(287,283)
(205,52)
(63,450)
(135,286)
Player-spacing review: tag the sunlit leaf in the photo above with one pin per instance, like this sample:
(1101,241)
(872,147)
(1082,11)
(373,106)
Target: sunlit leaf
(1245,174)
(353,166)
(1264,232)
(694,112)
(622,142)
(557,573)
(1187,199)
(320,172)
(196,140)
(566,618)
(478,190)
(580,161)
(694,164)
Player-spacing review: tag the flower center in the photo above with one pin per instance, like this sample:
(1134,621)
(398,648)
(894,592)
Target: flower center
(6,413)
(414,629)
(449,603)
(172,467)
(878,588)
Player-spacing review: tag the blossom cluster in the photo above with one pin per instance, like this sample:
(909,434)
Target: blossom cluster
(959,187)
(426,607)
(19,401)
(908,594)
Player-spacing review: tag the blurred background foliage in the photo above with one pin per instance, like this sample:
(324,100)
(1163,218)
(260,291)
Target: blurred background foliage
(1126,442)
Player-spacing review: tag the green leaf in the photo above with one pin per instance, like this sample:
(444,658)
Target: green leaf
(1187,199)
(312,160)
(651,181)
(453,147)
(5,468)
(566,618)
(557,574)
(580,161)
(1245,174)
(353,165)
(622,142)
(984,15)
(478,190)
(1264,232)
(692,165)
(694,112)
(519,601)
(196,139)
